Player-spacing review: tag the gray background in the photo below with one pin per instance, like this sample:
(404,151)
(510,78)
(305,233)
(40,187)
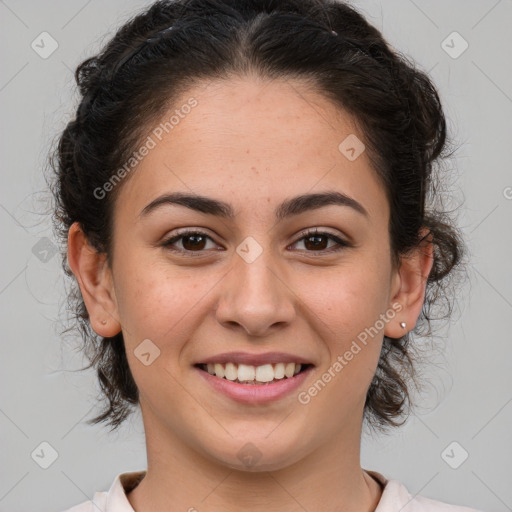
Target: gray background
(470,397)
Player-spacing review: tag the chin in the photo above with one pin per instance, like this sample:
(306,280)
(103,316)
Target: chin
(259,455)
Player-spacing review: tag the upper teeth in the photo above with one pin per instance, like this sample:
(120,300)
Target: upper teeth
(245,372)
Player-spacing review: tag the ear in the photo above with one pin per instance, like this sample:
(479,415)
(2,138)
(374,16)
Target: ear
(409,284)
(95,280)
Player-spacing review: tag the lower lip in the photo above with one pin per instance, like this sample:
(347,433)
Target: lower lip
(256,393)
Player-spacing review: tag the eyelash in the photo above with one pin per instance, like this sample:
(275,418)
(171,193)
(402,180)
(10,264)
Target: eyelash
(342,244)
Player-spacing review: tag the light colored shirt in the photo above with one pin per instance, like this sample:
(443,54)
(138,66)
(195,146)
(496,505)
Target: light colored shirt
(395,497)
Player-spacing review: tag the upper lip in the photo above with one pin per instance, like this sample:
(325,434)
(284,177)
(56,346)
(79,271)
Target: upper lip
(254,359)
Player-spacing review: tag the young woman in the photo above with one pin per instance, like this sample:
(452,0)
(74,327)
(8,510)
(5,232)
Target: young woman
(246,197)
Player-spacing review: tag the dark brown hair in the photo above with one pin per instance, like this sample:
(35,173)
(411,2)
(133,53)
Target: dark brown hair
(147,64)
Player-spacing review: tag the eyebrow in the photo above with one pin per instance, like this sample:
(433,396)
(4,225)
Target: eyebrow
(287,208)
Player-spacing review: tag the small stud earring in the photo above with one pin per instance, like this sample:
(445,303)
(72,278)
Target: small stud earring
(402,325)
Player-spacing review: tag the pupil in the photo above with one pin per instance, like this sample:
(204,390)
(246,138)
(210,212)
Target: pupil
(197,244)
(318,242)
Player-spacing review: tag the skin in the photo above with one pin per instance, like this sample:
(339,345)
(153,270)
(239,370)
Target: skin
(253,144)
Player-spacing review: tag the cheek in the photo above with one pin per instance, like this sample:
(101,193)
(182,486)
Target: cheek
(349,310)
(348,304)
(347,299)
(155,302)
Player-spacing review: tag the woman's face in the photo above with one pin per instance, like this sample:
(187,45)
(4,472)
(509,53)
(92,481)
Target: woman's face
(254,283)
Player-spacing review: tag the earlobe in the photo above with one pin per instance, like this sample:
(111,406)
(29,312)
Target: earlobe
(411,281)
(95,280)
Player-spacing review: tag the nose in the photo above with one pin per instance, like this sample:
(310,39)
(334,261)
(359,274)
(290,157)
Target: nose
(255,297)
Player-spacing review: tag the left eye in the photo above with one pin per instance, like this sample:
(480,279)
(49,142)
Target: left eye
(314,241)
(317,240)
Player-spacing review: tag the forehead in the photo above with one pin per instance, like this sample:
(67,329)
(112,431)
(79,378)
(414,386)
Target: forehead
(249,142)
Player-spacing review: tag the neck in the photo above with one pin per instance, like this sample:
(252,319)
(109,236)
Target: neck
(328,479)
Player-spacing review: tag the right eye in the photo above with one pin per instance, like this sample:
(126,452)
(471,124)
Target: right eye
(192,241)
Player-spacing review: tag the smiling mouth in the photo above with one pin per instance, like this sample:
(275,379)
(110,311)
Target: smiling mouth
(254,375)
